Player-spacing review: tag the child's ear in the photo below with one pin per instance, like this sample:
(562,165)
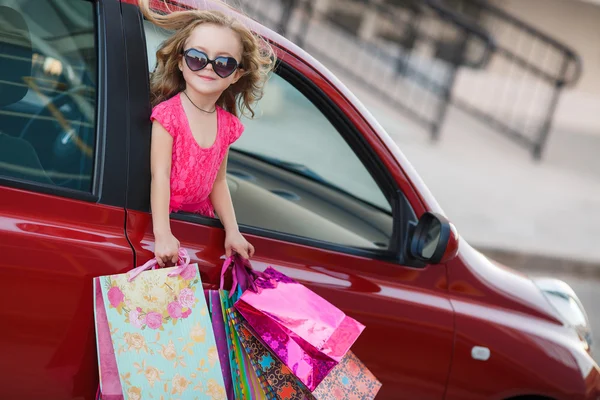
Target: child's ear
(238,74)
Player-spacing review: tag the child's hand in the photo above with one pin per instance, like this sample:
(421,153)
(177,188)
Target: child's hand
(166,249)
(235,242)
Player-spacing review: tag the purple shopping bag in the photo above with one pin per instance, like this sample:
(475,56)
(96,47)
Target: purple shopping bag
(306,332)
(213,298)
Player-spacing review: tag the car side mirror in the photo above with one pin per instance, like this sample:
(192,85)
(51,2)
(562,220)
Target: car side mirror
(434,240)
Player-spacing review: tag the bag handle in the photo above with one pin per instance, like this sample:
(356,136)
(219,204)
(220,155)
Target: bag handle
(242,274)
(183,263)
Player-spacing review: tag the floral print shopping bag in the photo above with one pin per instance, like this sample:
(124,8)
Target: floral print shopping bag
(160,333)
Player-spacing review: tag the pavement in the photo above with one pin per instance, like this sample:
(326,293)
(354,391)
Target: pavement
(527,214)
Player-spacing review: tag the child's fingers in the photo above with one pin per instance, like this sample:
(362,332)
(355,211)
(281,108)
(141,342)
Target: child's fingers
(250,250)
(243,253)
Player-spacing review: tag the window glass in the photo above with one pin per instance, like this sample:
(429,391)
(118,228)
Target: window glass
(292,130)
(302,177)
(48,92)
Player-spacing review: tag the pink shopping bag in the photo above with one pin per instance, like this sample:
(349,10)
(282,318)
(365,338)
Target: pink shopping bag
(306,332)
(110,384)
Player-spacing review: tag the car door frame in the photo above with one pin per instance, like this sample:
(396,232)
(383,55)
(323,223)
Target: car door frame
(294,72)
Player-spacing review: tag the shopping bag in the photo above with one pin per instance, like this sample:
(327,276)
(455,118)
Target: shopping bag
(218,324)
(306,332)
(110,384)
(246,383)
(256,386)
(236,376)
(240,280)
(349,380)
(161,333)
(279,377)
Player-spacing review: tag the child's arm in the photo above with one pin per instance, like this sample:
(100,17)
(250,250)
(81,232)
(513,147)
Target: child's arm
(221,200)
(166,246)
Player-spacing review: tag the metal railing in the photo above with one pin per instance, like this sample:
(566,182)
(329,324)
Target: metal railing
(525,78)
(409,77)
(422,56)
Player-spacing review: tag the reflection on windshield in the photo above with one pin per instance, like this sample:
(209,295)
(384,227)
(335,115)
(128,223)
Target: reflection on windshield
(304,171)
(290,166)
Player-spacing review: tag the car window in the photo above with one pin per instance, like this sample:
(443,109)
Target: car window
(302,177)
(292,172)
(48,92)
(295,133)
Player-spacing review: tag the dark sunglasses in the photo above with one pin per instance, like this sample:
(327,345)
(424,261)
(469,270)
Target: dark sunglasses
(223,66)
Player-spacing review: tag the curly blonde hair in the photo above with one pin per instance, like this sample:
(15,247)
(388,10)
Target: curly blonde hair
(258,58)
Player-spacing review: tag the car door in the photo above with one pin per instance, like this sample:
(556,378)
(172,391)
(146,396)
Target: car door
(314,193)
(62,189)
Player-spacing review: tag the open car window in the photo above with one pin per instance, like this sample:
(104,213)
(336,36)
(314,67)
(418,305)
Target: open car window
(292,172)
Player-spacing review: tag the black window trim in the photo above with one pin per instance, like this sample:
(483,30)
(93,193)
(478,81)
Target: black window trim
(108,183)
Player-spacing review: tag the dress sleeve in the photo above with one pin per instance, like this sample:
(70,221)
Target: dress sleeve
(236,129)
(165,116)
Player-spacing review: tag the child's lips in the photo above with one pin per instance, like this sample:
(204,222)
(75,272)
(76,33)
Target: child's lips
(206,78)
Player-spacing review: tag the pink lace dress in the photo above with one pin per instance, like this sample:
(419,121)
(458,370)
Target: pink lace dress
(194,168)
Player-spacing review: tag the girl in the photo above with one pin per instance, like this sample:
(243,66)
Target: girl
(208,72)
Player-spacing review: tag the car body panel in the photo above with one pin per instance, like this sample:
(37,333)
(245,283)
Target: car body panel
(531,351)
(390,300)
(551,359)
(51,249)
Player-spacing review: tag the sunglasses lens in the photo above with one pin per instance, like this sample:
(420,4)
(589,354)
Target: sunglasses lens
(196,60)
(225,66)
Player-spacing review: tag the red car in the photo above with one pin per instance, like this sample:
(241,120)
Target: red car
(319,188)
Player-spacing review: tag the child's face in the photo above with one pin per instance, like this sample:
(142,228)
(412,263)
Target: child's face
(215,41)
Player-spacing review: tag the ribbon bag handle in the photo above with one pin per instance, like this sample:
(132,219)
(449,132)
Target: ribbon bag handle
(183,263)
(242,274)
